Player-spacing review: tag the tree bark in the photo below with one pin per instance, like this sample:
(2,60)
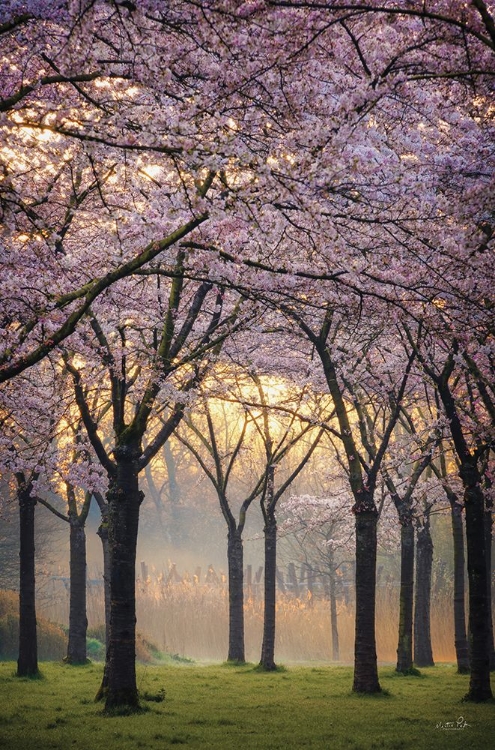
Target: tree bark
(423,653)
(78,622)
(405,647)
(235,555)
(365,658)
(333,607)
(27,663)
(103,534)
(479,616)
(460,634)
(474,504)
(268,647)
(488,548)
(124,500)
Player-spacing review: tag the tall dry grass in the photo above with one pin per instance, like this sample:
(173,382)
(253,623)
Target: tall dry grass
(191,619)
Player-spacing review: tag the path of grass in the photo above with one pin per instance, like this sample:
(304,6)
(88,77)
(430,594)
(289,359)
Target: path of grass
(238,708)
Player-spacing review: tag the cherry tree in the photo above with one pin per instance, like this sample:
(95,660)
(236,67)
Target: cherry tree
(323,531)
(411,453)
(132,384)
(320,156)
(439,364)
(30,411)
(221,437)
(75,479)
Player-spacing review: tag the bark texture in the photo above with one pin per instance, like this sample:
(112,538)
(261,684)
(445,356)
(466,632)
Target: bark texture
(78,623)
(268,647)
(479,615)
(460,633)
(124,499)
(103,534)
(365,659)
(27,663)
(423,653)
(488,549)
(405,646)
(474,504)
(235,555)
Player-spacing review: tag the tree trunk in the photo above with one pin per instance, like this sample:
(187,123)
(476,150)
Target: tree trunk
(404,647)
(423,653)
(474,504)
(488,548)
(460,634)
(27,663)
(124,499)
(78,622)
(268,648)
(103,534)
(365,659)
(235,555)
(479,620)
(333,608)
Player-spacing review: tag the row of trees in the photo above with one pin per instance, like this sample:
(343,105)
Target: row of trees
(298,191)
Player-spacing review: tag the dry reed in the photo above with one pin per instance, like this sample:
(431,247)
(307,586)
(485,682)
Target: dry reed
(191,619)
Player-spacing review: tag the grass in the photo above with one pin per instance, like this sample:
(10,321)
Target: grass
(225,707)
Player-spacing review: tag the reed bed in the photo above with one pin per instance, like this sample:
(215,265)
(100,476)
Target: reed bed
(190,619)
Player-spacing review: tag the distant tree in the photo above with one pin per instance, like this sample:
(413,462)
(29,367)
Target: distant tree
(277,441)
(220,440)
(449,483)
(441,372)
(364,455)
(78,621)
(320,531)
(30,410)
(412,453)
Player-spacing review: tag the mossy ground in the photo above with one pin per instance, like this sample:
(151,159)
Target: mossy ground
(229,707)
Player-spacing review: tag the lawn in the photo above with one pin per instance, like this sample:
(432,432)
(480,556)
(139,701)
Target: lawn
(238,708)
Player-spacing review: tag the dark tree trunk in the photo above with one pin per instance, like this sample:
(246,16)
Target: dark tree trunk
(479,616)
(488,548)
(268,647)
(474,504)
(103,534)
(124,499)
(27,663)
(404,647)
(423,653)
(235,555)
(78,623)
(365,659)
(460,634)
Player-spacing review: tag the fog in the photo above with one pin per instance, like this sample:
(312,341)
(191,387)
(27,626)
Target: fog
(181,614)
(181,572)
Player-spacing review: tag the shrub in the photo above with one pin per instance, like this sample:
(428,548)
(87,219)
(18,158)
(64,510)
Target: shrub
(146,652)
(95,649)
(52,641)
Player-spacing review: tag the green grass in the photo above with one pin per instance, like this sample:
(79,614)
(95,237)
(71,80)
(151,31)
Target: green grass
(241,708)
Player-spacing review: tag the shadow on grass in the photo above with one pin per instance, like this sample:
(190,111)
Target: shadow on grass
(117,711)
(383,693)
(411,672)
(279,669)
(29,677)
